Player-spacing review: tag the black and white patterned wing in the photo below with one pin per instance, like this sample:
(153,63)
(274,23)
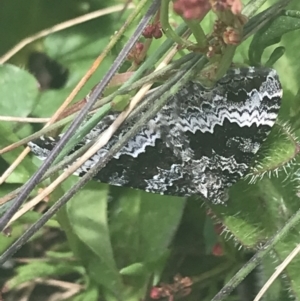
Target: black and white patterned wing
(201,142)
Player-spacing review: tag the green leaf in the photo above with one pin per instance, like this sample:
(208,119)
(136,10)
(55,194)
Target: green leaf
(90,294)
(37,269)
(277,152)
(271,34)
(160,217)
(134,269)
(18,92)
(88,218)
(142,225)
(24,170)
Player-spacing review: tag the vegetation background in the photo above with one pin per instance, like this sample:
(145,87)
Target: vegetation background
(111,243)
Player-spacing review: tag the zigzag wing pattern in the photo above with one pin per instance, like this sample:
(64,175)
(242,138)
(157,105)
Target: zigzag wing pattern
(201,142)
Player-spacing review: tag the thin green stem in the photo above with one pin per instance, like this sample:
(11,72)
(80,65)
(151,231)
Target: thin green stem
(84,130)
(153,59)
(222,268)
(225,61)
(166,27)
(197,32)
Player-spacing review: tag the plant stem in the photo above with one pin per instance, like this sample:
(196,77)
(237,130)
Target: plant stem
(166,27)
(197,32)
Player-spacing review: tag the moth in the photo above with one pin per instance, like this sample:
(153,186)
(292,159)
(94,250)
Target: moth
(200,143)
